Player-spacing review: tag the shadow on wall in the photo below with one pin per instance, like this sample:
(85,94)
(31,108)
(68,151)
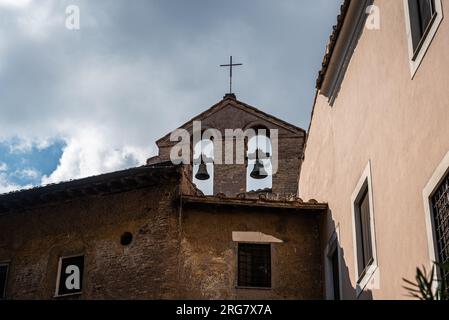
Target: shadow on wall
(347,290)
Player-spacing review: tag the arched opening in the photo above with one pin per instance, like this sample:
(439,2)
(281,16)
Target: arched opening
(203,166)
(259,168)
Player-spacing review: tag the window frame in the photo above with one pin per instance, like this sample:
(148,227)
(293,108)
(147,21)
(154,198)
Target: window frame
(333,246)
(417,56)
(7,265)
(58,276)
(371,270)
(433,184)
(238,286)
(361,227)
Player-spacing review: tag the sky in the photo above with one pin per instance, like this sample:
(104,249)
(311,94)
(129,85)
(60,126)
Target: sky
(76,103)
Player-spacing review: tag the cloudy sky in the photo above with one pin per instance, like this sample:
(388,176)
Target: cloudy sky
(75,103)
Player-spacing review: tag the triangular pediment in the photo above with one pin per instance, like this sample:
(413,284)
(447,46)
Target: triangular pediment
(231,113)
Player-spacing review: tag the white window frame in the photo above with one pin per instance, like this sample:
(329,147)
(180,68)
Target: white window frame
(332,246)
(373,269)
(434,182)
(58,278)
(416,62)
(3,264)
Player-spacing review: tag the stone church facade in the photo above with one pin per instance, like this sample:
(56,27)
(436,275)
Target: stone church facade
(150,233)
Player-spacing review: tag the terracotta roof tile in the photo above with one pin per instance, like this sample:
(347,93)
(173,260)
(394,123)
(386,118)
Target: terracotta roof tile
(332,42)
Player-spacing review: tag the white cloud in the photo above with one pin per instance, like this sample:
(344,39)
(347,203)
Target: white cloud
(27,173)
(3,167)
(41,20)
(7,186)
(90,153)
(137,70)
(20,145)
(14,3)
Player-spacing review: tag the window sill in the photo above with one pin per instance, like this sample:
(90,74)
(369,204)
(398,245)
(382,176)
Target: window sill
(424,37)
(59,296)
(366,278)
(253,288)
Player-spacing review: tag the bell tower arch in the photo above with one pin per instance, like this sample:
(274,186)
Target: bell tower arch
(231,174)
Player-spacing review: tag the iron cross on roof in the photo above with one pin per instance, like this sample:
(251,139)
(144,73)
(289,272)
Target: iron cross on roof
(230,65)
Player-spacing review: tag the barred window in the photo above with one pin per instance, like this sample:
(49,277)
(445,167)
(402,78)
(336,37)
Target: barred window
(440,206)
(254,265)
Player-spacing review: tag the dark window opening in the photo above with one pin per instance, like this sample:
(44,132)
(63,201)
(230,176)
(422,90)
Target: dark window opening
(71,276)
(335,274)
(440,205)
(363,233)
(422,14)
(3,280)
(254,265)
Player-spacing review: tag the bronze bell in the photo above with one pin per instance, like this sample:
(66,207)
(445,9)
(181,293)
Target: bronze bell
(202,173)
(259,171)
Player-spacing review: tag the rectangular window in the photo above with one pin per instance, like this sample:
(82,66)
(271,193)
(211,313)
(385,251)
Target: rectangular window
(3,280)
(363,232)
(70,276)
(332,267)
(423,18)
(335,274)
(254,265)
(364,235)
(422,14)
(440,206)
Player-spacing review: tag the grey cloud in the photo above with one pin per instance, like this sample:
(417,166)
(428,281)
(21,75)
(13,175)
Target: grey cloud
(138,69)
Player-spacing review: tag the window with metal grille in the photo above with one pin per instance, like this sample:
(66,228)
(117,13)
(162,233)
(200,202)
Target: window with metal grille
(422,14)
(254,265)
(3,279)
(363,233)
(440,205)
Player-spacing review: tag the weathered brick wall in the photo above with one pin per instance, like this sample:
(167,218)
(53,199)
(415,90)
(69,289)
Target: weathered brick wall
(146,269)
(231,179)
(290,152)
(175,253)
(209,255)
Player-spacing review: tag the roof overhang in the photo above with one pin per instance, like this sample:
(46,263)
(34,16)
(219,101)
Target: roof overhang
(350,24)
(295,205)
(115,182)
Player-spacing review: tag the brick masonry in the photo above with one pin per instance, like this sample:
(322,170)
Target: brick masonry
(34,240)
(177,252)
(209,256)
(233,114)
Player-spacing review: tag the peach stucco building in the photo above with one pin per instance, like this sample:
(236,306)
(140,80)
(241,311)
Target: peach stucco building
(378,146)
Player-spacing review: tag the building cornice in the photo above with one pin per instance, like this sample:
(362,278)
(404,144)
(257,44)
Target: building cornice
(342,43)
(263,201)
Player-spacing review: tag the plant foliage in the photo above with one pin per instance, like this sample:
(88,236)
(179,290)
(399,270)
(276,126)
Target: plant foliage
(430,286)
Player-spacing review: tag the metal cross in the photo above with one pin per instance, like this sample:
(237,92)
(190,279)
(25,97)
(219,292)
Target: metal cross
(230,65)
